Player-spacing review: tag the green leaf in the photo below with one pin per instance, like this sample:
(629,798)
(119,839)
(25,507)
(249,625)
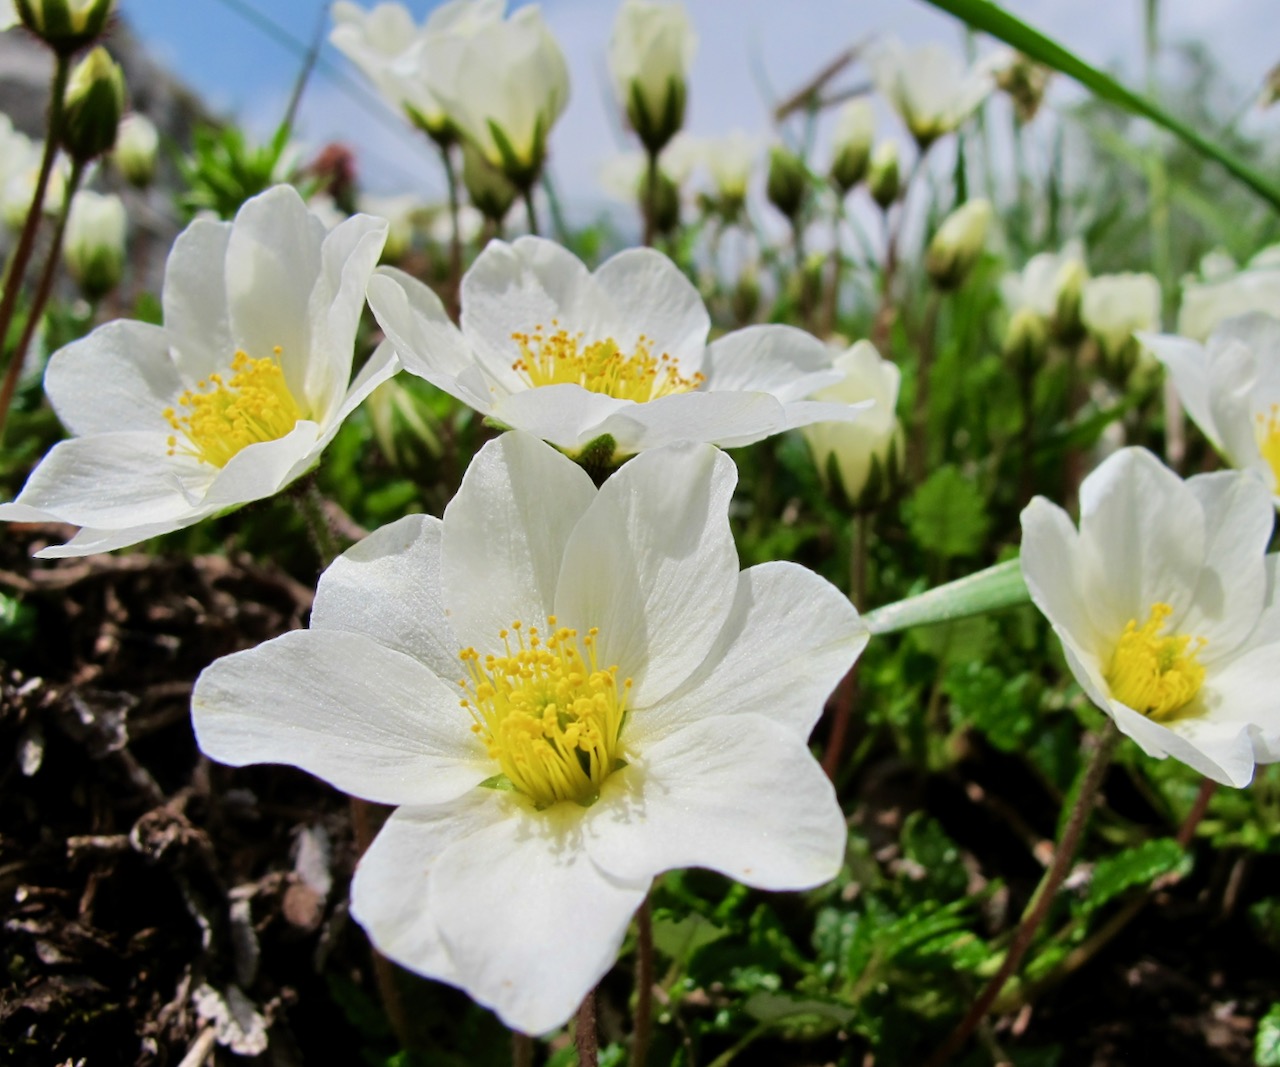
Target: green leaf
(1266,1045)
(996,587)
(678,939)
(793,1008)
(947,514)
(1133,867)
(990,18)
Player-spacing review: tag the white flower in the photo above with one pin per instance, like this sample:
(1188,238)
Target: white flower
(1116,306)
(876,437)
(389,48)
(851,141)
(134,155)
(93,246)
(19,170)
(1231,388)
(623,174)
(731,159)
(1165,603)
(8,15)
(401,212)
(650,53)
(685,692)
(504,85)
(1223,292)
(1045,280)
(570,356)
(958,243)
(470,225)
(929,87)
(229,401)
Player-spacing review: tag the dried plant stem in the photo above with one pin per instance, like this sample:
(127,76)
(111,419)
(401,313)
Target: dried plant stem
(1041,899)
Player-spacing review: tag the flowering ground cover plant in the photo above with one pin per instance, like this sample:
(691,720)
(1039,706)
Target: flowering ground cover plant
(1172,627)
(233,398)
(629,703)
(615,360)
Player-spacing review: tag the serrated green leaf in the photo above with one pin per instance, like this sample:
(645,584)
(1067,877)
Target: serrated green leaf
(1266,1045)
(1135,867)
(947,515)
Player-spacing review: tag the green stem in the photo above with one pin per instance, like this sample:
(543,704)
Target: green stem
(455,236)
(26,240)
(651,200)
(530,212)
(1041,900)
(310,503)
(43,288)
(521,1049)
(918,446)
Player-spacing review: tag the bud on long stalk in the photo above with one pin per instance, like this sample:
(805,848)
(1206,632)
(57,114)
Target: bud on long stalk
(94,104)
(66,26)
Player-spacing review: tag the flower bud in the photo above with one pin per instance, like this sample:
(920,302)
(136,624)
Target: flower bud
(860,460)
(1116,306)
(135,153)
(94,103)
(1068,325)
(855,130)
(882,174)
(66,26)
(650,54)
(959,242)
(788,181)
(489,190)
(93,246)
(1026,340)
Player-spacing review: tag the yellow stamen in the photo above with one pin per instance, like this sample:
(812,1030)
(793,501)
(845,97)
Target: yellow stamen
(1152,674)
(1268,431)
(549,717)
(560,358)
(220,417)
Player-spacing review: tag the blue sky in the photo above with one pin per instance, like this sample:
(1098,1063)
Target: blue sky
(242,70)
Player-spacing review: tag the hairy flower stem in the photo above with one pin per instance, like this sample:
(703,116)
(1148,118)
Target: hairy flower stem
(41,297)
(831,304)
(651,199)
(644,986)
(893,234)
(27,238)
(309,501)
(521,1049)
(584,1033)
(918,444)
(1041,900)
(847,694)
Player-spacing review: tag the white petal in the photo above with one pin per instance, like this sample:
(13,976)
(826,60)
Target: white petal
(429,345)
(529,921)
(195,299)
(1142,540)
(1188,363)
(383,364)
(567,415)
(1229,596)
(113,481)
(652,563)
(273,260)
(88,541)
(1245,694)
(505,534)
(1218,751)
(263,469)
(119,378)
(1052,568)
(651,296)
(740,795)
(781,360)
(388,892)
(373,722)
(725,418)
(389,587)
(515,288)
(790,637)
(347,258)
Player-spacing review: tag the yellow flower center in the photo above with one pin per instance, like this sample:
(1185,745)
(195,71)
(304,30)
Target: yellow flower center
(1268,431)
(548,716)
(560,358)
(218,418)
(1153,674)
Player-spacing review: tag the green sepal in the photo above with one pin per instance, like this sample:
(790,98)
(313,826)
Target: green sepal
(1001,586)
(598,457)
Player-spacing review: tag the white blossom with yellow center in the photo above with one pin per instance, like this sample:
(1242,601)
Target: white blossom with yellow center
(231,399)
(658,717)
(1165,602)
(571,356)
(1230,386)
